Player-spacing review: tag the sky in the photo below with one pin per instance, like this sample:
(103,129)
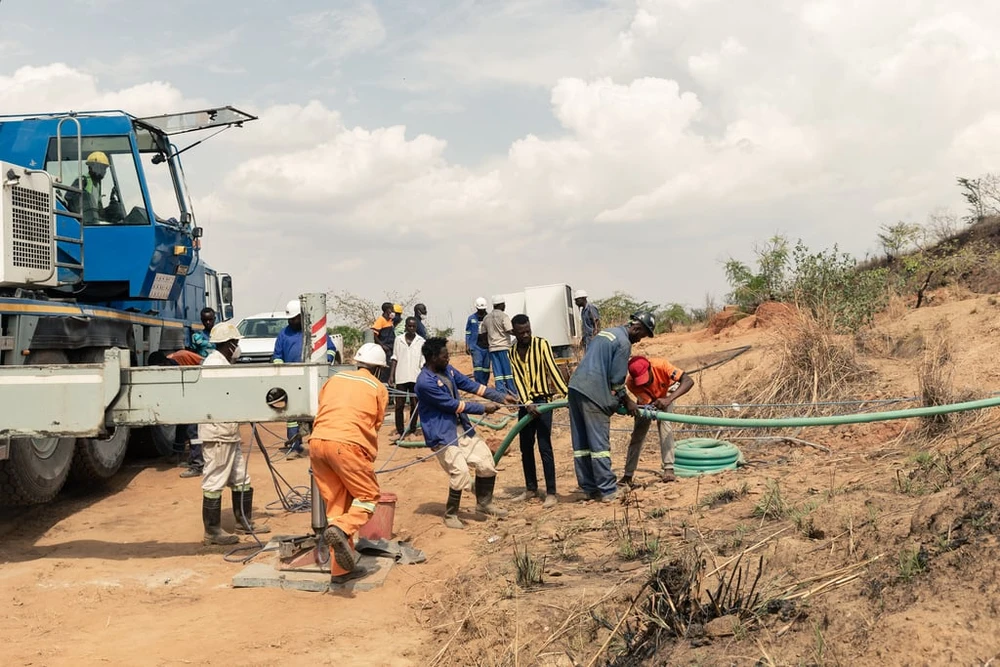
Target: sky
(467,148)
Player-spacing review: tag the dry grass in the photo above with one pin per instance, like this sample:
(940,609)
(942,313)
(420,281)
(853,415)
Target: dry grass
(811,364)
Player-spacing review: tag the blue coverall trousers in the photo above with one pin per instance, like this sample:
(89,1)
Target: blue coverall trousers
(590,429)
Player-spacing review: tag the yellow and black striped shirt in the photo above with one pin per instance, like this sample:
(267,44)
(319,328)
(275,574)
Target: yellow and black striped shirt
(536,375)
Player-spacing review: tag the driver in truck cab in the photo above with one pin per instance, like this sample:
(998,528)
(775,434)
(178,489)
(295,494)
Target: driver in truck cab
(91,207)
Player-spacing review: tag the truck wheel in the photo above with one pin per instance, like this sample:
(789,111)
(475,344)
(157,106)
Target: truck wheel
(37,467)
(98,459)
(155,440)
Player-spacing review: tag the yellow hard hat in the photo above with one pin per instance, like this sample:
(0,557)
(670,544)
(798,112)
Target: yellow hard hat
(397,308)
(98,157)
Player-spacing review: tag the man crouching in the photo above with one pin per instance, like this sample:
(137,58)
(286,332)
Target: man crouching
(449,433)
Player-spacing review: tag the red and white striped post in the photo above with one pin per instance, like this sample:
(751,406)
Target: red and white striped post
(314,321)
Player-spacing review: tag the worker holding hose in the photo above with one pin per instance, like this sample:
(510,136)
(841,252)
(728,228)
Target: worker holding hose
(659,383)
(342,451)
(224,462)
(596,390)
(444,419)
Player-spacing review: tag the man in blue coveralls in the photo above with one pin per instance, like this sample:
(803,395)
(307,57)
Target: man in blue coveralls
(444,419)
(288,350)
(476,345)
(596,390)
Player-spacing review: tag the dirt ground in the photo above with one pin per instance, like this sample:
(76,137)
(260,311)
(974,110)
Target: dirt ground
(120,576)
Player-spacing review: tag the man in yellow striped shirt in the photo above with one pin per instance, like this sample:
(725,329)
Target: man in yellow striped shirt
(538,380)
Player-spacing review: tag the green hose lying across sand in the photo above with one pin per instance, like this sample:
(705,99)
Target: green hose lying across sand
(830,420)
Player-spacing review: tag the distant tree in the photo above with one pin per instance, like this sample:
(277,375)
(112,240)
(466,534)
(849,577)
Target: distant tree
(982,195)
(899,238)
(671,315)
(617,308)
(767,283)
(360,312)
(353,337)
(443,333)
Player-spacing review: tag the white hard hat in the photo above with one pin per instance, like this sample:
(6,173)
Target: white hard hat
(580,294)
(293,308)
(498,299)
(481,302)
(223,332)
(370,354)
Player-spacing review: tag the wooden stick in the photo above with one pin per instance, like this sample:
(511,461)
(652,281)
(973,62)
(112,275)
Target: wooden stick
(748,550)
(593,660)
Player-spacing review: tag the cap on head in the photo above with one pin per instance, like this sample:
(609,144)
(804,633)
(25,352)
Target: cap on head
(397,308)
(498,299)
(638,368)
(224,332)
(370,354)
(580,294)
(293,309)
(480,303)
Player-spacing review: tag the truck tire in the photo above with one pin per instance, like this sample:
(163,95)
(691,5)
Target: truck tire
(154,440)
(96,460)
(37,467)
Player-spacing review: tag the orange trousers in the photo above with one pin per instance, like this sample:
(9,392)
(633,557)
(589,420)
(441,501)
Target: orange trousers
(346,479)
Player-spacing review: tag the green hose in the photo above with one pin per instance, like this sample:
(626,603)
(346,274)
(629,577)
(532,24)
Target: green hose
(830,420)
(704,456)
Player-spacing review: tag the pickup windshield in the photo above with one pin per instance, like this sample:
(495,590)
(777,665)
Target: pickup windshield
(261,328)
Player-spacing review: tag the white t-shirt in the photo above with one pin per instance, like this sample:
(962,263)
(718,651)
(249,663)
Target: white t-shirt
(409,358)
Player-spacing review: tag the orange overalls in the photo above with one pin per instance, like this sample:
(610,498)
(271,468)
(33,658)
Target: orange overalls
(343,448)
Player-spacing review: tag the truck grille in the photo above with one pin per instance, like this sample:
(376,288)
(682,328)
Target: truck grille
(31,234)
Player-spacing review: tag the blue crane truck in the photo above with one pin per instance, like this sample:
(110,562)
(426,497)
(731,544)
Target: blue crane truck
(100,250)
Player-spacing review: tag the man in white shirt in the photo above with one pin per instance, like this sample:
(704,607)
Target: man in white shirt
(498,331)
(224,462)
(407,360)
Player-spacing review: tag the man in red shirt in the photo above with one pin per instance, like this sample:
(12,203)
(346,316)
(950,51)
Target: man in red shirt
(659,383)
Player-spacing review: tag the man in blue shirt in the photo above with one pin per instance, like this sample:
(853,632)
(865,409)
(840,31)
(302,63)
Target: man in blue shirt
(596,390)
(288,350)
(476,345)
(449,433)
(589,317)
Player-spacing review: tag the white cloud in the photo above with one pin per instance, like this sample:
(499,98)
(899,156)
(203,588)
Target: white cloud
(674,122)
(353,27)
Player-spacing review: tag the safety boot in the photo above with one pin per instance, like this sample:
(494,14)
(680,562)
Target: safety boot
(358,572)
(211,516)
(484,497)
(243,511)
(341,547)
(451,519)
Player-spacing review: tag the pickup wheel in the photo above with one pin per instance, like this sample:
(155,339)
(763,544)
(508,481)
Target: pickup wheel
(37,467)
(98,459)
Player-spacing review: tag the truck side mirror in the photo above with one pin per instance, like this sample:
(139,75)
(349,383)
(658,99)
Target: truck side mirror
(226,295)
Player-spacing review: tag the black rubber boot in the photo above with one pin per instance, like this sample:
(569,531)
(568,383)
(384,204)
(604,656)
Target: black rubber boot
(243,511)
(451,509)
(356,573)
(340,545)
(211,516)
(484,497)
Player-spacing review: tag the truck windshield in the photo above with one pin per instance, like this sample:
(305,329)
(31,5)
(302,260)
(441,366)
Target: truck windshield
(111,195)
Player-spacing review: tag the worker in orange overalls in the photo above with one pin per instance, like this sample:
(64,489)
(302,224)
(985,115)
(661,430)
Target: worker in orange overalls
(342,452)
